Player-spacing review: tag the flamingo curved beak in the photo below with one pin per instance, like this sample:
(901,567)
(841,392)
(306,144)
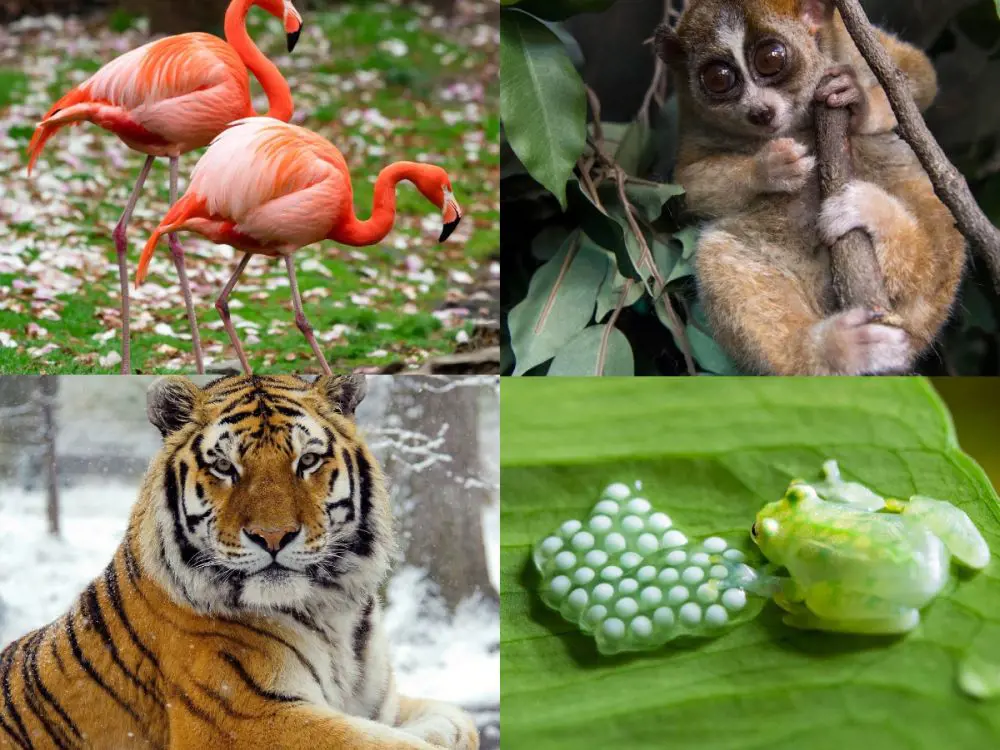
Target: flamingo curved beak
(452,215)
(293,38)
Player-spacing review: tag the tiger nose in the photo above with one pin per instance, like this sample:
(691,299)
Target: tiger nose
(271,539)
(762,116)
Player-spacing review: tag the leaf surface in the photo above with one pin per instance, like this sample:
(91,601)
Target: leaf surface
(711,452)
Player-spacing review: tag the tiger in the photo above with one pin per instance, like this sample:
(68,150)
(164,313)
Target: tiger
(242,607)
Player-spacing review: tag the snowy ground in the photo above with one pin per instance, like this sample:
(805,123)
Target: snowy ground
(454,658)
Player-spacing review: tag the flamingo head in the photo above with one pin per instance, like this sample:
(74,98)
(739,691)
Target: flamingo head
(284,10)
(434,184)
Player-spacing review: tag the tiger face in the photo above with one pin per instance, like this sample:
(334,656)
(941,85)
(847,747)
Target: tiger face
(263,495)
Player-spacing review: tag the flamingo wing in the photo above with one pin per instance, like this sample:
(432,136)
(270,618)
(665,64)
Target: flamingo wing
(272,184)
(123,95)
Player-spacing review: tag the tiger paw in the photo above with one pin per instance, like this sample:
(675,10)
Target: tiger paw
(446,726)
(634,582)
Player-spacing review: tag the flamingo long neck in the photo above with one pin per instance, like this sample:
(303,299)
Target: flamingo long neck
(353,231)
(279,96)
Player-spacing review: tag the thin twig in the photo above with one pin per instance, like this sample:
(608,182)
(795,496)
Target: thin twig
(949,184)
(550,302)
(602,352)
(595,110)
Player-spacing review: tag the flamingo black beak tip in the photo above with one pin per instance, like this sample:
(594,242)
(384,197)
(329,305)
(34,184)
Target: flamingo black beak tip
(293,38)
(448,228)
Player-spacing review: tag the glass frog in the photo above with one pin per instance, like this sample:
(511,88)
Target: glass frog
(858,562)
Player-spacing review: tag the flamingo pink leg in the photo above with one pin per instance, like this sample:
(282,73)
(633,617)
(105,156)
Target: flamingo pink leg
(300,316)
(178,254)
(222,305)
(121,247)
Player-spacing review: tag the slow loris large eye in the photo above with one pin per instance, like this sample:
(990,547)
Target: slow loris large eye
(718,78)
(770,58)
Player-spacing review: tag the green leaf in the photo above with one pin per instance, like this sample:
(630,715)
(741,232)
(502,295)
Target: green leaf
(709,354)
(597,350)
(649,199)
(611,291)
(636,149)
(711,452)
(559,10)
(608,231)
(542,101)
(559,304)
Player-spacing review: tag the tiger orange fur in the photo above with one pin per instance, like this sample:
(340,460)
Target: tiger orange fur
(241,609)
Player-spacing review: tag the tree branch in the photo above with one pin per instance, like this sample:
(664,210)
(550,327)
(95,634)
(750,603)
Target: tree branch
(948,182)
(857,279)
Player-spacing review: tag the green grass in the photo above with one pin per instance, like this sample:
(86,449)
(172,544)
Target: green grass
(69,223)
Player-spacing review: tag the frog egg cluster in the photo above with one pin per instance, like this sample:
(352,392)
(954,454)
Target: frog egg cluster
(630,578)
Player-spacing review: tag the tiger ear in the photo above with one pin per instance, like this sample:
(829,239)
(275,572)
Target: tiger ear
(170,403)
(344,392)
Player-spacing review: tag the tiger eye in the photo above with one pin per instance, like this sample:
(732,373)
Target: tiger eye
(223,465)
(770,58)
(718,78)
(308,460)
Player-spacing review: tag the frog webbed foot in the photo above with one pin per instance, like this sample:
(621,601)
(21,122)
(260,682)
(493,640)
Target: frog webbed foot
(953,527)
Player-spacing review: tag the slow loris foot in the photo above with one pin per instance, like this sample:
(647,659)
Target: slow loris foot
(854,343)
(840,87)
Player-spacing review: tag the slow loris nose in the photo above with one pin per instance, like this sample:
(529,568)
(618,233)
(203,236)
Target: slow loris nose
(762,116)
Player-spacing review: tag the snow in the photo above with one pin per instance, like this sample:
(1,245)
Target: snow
(448,657)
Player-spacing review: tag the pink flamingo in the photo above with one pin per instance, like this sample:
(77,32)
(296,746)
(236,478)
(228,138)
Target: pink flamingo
(269,188)
(169,97)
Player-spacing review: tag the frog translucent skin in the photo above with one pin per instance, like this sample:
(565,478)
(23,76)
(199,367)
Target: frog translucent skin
(860,563)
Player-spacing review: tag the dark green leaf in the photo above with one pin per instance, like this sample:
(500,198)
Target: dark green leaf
(611,291)
(559,304)
(711,452)
(708,354)
(649,199)
(597,350)
(609,232)
(542,101)
(560,10)
(635,152)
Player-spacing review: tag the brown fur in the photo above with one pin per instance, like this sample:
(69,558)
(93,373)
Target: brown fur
(763,271)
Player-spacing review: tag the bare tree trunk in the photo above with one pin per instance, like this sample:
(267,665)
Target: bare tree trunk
(437,486)
(48,387)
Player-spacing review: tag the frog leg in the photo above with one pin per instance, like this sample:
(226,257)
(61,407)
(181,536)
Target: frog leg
(949,524)
(834,489)
(903,622)
(832,607)
(790,597)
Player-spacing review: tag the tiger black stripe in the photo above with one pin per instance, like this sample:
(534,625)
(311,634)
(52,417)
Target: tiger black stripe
(278,639)
(251,683)
(363,631)
(96,616)
(55,655)
(10,731)
(199,712)
(30,694)
(225,704)
(6,665)
(187,550)
(365,537)
(49,698)
(115,597)
(82,660)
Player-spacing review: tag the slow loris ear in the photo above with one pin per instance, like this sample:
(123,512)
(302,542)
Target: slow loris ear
(816,13)
(668,46)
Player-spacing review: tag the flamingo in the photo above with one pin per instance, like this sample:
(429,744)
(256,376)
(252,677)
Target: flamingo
(169,97)
(269,188)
